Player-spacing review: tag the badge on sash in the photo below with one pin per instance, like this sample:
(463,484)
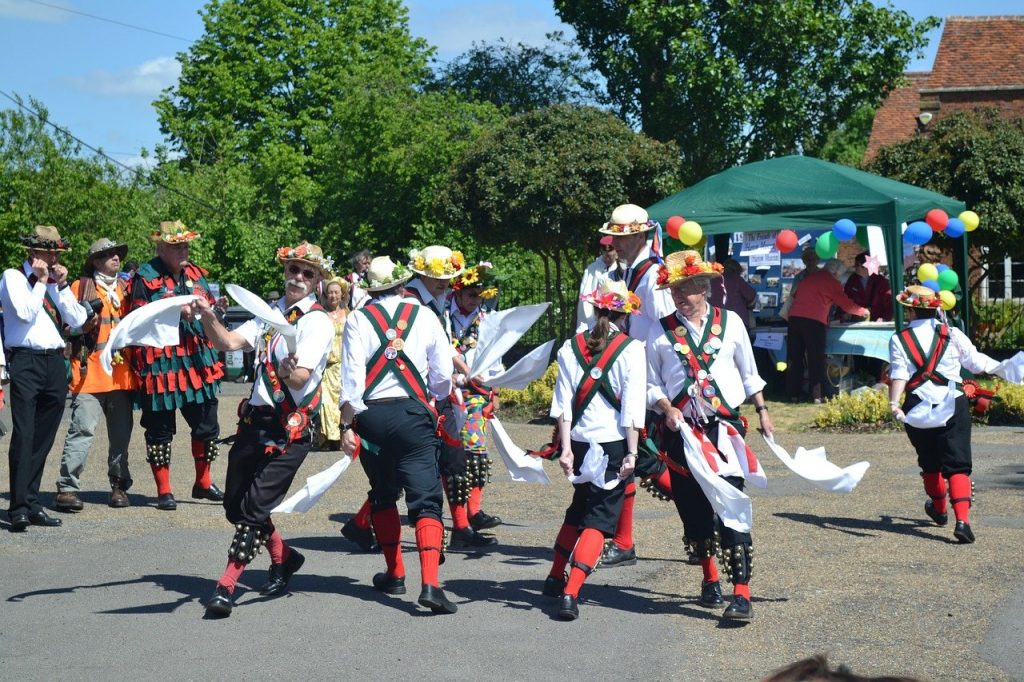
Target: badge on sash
(716,329)
(680,330)
(709,391)
(402,324)
(596,373)
(702,375)
(391,334)
(715,343)
(398,344)
(390,353)
(278,396)
(189,283)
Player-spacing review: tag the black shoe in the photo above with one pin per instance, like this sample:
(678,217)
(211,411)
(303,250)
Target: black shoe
(939,519)
(281,573)
(482,520)
(435,600)
(41,518)
(19,522)
(361,536)
(553,587)
(692,559)
(220,602)
(739,609)
(382,582)
(711,594)
(567,608)
(616,556)
(963,533)
(467,537)
(166,502)
(213,493)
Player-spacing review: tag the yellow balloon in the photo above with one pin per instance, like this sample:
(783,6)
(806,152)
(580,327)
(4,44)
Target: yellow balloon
(781,366)
(948,299)
(690,232)
(970,220)
(926,272)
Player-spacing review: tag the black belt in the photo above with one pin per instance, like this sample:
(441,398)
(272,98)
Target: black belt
(383,401)
(36,351)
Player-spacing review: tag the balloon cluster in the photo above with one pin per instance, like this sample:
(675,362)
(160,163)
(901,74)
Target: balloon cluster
(688,232)
(937,220)
(940,279)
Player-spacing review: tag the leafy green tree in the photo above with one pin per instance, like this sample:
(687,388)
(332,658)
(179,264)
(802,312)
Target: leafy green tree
(733,81)
(847,143)
(546,180)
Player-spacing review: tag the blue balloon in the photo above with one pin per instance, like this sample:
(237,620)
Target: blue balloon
(844,229)
(932,284)
(918,232)
(941,267)
(955,228)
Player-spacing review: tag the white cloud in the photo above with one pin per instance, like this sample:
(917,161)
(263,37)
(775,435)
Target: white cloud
(19,9)
(145,80)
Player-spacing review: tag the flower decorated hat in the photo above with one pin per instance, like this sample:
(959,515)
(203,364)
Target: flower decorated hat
(173,232)
(614,296)
(45,238)
(384,273)
(480,276)
(438,262)
(307,253)
(684,265)
(918,296)
(628,219)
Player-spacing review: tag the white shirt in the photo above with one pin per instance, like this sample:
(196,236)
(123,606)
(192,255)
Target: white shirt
(734,369)
(426,346)
(600,422)
(959,353)
(654,303)
(312,346)
(26,323)
(592,276)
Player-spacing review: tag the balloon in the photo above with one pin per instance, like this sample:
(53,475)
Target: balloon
(941,267)
(780,366)
(926,272)
(786,241)
(844,229)
(948,299)
(917,233)
(948,280)
(971,220)
(931,284)
(936,219)
(826,246)
(955,228)
(690,233)
(672,226)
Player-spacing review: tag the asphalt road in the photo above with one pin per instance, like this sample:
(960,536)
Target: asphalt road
(863,578)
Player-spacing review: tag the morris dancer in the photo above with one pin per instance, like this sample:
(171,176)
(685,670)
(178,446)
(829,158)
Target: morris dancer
(599,398)
(274,433)
(700,370)
(185,377)
(396,357)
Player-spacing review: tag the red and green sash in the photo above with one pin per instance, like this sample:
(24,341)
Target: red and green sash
(638,274)
(294,418)
(925,362)
(49,305)
(697,357)
(595,373)
(390,358)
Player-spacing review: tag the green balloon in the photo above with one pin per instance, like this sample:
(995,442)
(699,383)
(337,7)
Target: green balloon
(948,280)
(826,246)
(862,235)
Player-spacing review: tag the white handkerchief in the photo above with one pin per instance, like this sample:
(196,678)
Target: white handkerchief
(499,332)
(316,485)
(521,467)
(154,324)
(813,466)
(1012,369)
(732,505)
(265,312)
(529,368)
(593,469)
(938,403)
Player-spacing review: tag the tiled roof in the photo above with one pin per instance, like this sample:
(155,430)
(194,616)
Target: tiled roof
(979,53)
(895,119)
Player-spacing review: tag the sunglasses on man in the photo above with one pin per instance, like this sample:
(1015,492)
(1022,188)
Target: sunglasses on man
(306,273)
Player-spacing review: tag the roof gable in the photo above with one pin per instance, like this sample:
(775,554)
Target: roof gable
(979,53)
(895,119)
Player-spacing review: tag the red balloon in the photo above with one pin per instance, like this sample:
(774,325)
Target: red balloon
(673,224)
(936,219)
(786,241)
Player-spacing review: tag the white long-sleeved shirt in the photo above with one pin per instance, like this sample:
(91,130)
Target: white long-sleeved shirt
(600,421)
(960,353)
(26,323)
(655,303)
(426,346)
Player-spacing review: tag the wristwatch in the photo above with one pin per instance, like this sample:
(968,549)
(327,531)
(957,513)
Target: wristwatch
(346,427)
(761,408)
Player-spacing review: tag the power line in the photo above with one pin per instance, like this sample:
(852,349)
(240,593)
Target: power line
(135,171)
(109,21)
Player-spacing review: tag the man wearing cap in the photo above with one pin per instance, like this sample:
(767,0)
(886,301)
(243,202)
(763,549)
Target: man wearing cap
(95,394)
(185,377)
(396,359)
(602,267)
(700,369)
(37,304)
(274,431)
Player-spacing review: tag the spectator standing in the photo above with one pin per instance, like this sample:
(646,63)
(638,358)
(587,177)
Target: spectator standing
(602,267)
(871,291)
(335,302)
(734,293)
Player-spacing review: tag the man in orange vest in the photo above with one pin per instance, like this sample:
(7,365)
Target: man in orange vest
(95,393)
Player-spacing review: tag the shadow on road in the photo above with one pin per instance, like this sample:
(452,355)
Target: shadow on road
(864,527)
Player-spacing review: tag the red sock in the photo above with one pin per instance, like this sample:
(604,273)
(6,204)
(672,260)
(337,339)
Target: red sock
(960,496)
(162,476)
(587,552)
(232,572)
(663,482)
(428,541)
(362,517)
(202,465)
(707,564)
(277,548)
(476,496)
(624,530)
(388,527)
(741,590)
(935,487)
(564,543)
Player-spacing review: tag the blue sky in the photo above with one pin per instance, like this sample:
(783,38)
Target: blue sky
(98,79)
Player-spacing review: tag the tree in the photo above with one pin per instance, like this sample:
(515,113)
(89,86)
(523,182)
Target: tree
(546,180)
(847,143)
(733,81)
(520,77)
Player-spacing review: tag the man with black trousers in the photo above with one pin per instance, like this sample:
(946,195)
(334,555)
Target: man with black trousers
(37,304)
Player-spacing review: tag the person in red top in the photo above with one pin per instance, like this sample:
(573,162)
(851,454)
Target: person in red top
(870,291)
(808,323)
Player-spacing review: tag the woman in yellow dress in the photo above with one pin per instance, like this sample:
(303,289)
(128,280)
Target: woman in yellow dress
(335,302)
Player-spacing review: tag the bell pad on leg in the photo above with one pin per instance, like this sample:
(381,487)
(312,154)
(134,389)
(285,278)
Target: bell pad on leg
(478,469)
(247,543)
(458,488)
(738,562)
(158,454)
(211,451)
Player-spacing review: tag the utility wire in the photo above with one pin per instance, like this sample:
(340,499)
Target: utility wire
(130,169)
(109,21)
